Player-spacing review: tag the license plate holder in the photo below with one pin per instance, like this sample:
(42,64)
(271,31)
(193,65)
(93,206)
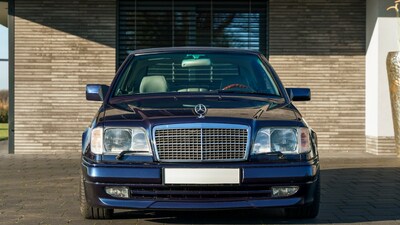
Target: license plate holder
(201,176)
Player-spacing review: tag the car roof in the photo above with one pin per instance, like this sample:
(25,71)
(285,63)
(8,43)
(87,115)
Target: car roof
(193,49)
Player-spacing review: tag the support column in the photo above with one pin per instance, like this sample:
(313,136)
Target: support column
(382,37)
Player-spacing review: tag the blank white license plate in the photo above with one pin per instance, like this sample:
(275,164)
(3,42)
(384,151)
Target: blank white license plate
(201,176)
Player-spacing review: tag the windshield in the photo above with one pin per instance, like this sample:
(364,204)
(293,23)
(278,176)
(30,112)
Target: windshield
(205,73)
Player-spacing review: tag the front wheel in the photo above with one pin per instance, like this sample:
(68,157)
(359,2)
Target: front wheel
(307,211)
(89,212)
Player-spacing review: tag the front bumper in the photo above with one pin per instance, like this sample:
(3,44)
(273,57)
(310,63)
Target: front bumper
(146,181)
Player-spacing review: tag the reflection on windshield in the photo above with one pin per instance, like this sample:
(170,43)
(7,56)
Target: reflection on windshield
(205,73)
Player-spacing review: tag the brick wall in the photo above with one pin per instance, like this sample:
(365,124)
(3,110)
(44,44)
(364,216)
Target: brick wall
(321,44)
(60,46)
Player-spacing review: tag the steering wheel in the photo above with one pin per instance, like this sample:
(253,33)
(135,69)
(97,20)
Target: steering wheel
(230,86)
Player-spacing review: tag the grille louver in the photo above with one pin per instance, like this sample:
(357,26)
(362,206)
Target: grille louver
(201,144)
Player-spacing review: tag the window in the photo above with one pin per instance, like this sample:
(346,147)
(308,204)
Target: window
(208,73)
(149,24)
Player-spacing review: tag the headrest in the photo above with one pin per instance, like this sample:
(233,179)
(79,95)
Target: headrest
(151,84)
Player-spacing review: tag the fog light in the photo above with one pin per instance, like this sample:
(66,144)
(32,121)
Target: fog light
(284,191)
(118,191)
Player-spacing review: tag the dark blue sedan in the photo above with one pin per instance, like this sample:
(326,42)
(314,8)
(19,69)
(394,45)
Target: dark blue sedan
(198,129)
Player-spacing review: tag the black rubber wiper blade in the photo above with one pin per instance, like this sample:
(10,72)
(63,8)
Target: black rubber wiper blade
(263,93)
(248,92)
(280,155)
(123,153)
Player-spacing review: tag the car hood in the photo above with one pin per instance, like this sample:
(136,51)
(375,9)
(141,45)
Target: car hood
(176,108)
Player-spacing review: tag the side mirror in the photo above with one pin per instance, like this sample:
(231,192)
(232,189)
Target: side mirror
(299,94)
(96,92)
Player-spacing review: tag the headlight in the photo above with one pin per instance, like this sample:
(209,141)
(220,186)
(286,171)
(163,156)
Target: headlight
(116,140)
(140,141)
(284,140)
(96,142)
(263,142)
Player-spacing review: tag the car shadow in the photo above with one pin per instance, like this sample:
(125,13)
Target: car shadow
(352,195)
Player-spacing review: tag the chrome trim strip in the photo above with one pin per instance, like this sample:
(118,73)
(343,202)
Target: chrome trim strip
(202,126)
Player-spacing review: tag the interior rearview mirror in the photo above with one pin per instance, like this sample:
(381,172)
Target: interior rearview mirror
(299,94)
(195,62)
(96,92)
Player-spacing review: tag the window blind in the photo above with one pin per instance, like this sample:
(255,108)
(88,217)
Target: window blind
(220,23)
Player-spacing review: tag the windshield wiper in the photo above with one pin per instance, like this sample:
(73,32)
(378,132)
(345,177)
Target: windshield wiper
(280,155)
(248,92)
(121,154)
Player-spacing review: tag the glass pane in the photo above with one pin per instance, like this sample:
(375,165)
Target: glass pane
(205,73)
(148,24)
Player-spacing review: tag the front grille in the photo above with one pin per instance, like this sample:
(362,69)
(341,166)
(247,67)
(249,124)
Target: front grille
(188,192)
(204,143)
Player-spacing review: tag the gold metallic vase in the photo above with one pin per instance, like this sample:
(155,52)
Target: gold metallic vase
(393,71)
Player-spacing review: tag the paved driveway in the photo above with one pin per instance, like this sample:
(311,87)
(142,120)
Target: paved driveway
(43,190)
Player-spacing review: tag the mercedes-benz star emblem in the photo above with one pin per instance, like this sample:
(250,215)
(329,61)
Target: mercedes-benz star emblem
(200,110)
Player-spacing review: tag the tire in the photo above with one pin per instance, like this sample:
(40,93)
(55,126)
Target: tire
(89,212)
(307,211)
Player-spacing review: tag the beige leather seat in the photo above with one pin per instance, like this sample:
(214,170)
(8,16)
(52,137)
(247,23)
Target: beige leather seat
(153,84)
